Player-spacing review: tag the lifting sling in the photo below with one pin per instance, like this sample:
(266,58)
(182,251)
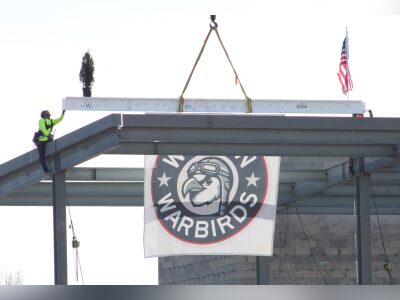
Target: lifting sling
(214,27)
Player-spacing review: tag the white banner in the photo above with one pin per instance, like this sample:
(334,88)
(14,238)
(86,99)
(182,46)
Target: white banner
(223,205)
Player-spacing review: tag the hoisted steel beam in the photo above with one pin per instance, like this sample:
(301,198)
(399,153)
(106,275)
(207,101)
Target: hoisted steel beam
(271,106)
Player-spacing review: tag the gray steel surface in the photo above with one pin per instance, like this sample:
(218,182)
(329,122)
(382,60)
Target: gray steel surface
(214,105)
(240,134)
(60,229)
(364,265)
(124,187)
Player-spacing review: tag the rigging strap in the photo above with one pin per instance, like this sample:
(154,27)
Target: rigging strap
(214,27)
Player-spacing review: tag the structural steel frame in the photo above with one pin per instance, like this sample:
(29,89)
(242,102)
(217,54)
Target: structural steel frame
(373,142)
(308,191)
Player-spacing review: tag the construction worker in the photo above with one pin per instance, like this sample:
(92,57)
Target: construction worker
(46,125)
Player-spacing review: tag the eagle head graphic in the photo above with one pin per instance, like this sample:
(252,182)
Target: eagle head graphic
(209,180)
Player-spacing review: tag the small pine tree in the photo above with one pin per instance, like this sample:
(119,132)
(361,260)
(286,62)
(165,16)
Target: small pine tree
(86,75)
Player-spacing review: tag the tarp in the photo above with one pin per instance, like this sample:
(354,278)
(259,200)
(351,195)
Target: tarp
(221,205)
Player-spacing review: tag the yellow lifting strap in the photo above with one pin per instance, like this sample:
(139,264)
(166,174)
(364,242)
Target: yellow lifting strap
(214,27)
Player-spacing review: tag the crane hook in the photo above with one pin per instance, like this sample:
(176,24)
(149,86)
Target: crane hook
(213,24)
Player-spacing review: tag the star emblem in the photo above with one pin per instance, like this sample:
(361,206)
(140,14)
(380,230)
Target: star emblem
(163,180)
(252,180)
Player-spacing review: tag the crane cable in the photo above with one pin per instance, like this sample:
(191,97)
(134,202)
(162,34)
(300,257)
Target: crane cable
(214,27)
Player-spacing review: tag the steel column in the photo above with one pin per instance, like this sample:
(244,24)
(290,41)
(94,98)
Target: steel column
(262,268)
(364,268)
(60,230)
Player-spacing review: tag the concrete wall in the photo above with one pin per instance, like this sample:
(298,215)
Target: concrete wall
(327,256)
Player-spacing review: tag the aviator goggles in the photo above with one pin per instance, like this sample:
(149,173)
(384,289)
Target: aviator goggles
(207,168)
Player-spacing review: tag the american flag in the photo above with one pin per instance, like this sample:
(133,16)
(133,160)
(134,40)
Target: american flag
(344,72)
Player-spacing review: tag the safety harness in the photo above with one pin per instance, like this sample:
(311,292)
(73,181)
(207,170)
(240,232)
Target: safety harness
(39,133)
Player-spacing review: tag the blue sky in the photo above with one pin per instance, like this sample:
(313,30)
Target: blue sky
(281,50)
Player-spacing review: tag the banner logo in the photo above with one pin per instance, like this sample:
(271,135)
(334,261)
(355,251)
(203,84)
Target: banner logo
(207,199)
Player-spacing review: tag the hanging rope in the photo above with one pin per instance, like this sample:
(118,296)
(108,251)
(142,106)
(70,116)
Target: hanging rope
(75,242)
(214,27)
(284,239)
(309,246)
(283,243)
(75,246)
(386,265)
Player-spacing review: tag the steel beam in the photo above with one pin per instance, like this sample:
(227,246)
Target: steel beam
(247,148)
(341,205)
(197,134)
(124,187)
(109,174)
(83,193)
(212,134)
(338,210)
(72,149)
(335,175)
(347,188)
(214,105)
(344,125)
